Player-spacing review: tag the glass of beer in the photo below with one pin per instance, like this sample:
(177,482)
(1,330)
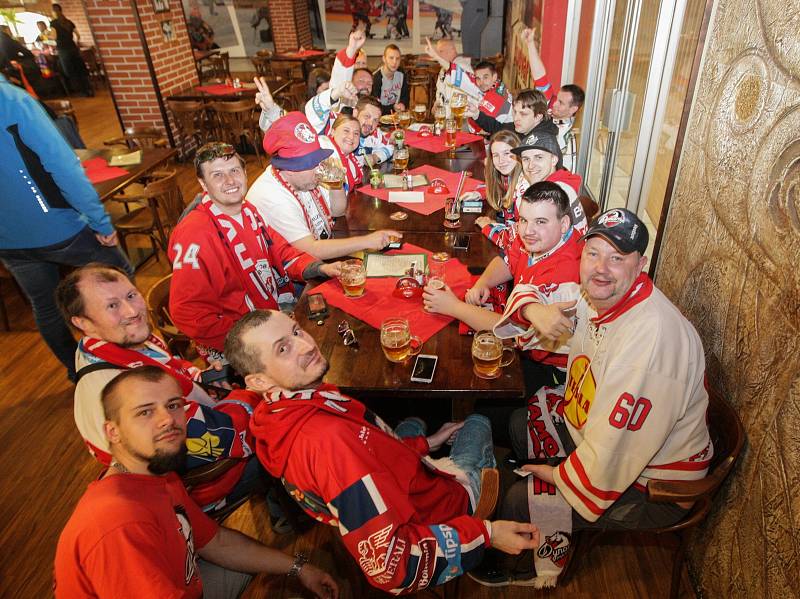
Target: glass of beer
(404,118)
(353,278)
(487,355)
(439,116)
(331,174)
(436,268)
(419,112)
(458,105)
(450,133)
(401,159)
(397,341)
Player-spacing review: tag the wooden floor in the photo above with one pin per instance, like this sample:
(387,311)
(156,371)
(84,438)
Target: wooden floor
(45,468)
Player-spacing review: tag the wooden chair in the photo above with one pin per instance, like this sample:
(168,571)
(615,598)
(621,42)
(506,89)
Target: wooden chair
(157,299)
(238,120)
(216,67)
(191,120)
(138,138)
(590,207)
(419,83)
(93,65)
(288,69)
(293,97)
(262,66)
(161,194)
(727,435)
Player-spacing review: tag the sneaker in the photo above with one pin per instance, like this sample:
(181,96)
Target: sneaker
(491,577)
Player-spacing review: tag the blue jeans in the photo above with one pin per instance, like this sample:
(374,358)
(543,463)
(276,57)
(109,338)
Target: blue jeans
(472,449)
(37,272)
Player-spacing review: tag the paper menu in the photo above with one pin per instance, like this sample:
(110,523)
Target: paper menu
(126,159)
(406,197)
(394,265)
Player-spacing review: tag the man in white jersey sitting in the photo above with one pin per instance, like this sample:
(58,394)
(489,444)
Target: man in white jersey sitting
(633,407)
(288,195)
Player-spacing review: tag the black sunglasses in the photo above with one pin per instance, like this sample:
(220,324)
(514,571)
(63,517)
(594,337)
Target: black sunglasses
(348,336)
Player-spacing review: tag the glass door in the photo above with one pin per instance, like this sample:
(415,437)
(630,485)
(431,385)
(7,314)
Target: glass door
(632,55)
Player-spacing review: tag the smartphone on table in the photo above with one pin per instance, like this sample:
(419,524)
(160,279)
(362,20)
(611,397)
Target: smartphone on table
(424,367)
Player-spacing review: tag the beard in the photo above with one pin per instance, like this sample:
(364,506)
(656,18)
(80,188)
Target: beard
(162,462)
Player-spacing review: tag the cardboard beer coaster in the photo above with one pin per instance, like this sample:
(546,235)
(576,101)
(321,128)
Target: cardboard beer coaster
(399,215)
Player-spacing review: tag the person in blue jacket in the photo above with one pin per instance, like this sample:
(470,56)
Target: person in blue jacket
(51,214)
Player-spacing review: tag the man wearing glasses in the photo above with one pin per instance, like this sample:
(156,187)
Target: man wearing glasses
(226,260)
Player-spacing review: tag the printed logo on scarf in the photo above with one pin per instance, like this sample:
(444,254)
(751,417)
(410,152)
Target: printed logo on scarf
(555,548)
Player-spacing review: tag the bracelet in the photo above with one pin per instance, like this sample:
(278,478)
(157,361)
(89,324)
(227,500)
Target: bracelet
(300,560)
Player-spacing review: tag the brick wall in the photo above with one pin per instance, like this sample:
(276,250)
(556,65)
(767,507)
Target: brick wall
(291,27)
(75,12)
(123,54)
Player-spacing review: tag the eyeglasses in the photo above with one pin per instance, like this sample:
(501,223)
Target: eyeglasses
(212,151)
(348,336)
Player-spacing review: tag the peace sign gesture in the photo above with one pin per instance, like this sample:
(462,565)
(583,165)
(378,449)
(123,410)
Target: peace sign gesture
(263,96)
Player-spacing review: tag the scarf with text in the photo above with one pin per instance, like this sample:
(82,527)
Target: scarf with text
(319,203)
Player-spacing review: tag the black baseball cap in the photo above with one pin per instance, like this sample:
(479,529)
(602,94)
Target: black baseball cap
(622,229)
(540,141)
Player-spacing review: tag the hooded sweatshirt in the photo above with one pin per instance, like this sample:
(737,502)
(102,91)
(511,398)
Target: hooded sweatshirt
(405,522)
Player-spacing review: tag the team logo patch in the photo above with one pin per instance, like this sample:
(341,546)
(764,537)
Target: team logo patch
(530,140)
(555,548)
(304,133)
(612,218)
(579,392)
(373,550)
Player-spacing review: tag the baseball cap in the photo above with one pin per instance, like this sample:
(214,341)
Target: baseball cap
(540,141)
(293,144)
(622,229)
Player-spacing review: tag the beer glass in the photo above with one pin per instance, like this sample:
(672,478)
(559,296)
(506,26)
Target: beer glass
(450,133)
(331,173)
(439,116)
(353,278)
(487,355)
(452,213)
(397,341)
(404,119)
(419,112)
(401,159)
(436,268)
(458,105)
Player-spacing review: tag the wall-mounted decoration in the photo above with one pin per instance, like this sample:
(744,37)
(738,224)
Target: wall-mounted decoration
(166,29)
(161,5)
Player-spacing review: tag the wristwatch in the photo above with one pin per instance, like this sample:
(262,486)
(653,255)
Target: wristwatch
(300,560)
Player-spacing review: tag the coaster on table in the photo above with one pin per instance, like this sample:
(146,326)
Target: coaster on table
(398,215)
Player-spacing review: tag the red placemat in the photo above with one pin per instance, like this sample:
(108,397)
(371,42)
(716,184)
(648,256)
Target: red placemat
(220,89)
(433,202)
(435,143)
(303,54)
(377,304)
(97,170)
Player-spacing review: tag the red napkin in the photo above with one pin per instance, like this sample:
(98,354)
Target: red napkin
(433,202)
(97,170)
(220,89)
(435,143)
(377,304)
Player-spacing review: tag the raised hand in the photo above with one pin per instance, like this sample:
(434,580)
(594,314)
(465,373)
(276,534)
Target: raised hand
(263,95)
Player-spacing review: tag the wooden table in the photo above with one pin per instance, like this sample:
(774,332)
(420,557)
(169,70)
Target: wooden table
(151,158)
(305,61)
(276,86)
(365,372)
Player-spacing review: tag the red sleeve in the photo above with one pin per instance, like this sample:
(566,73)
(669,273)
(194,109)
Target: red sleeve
(283,254)
(543,85)
(197,274)
(418,444)
(346,61)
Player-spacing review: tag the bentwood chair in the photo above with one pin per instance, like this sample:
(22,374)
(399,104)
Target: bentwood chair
(262,65)
(63,108)
(139,138)
(728,436)
(159,206)
(238,122)
(157,299)
(216,67)
(191,120)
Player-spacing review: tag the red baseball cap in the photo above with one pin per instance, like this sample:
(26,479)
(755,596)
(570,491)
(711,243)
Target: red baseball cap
(293,144)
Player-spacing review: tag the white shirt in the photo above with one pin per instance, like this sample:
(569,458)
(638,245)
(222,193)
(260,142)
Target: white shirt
(280,209)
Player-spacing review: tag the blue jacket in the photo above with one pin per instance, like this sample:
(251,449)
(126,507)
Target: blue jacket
(45,197)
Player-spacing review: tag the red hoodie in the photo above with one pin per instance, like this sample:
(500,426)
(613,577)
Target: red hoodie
(405,522)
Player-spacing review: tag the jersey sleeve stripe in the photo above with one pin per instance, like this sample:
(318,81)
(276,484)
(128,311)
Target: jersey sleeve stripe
(590,505)
(587,484)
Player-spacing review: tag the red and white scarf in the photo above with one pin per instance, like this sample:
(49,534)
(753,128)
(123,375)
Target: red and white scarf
(319,203)
(182,370)
(248,248)
(351,167)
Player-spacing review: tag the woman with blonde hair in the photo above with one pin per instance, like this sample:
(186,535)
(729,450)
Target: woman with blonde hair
(504,186)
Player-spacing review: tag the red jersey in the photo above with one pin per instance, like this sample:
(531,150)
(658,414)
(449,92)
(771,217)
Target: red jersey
(133,535)
(210,288)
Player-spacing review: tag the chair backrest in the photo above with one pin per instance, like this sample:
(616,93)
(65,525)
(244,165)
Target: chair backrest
(158,307)
(188,114)
(164,189)
(217,66)
(144,137)
(235,116)
(63,108)
(262,66)
(727,435)
(590,207)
